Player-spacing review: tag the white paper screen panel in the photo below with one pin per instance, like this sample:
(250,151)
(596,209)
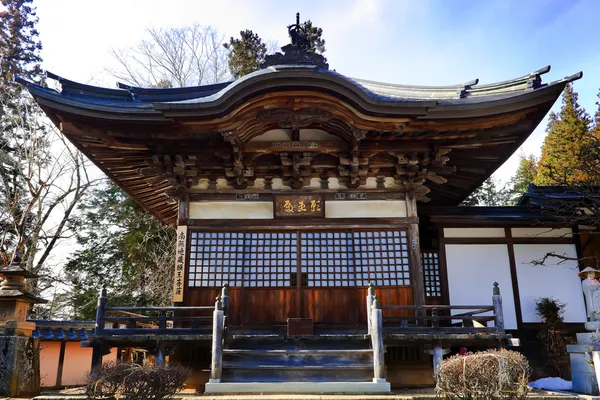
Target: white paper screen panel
(542,232)
(474,232)
(231,210)
(365,209)
(559,281)
(472,271)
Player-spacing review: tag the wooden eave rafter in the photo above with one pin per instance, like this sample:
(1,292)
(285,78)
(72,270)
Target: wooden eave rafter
(124,137)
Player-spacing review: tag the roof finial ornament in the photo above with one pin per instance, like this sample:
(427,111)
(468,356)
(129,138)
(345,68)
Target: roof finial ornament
(298,52)
(298,35)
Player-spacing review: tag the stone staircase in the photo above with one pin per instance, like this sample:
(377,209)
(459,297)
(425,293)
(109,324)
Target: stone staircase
(295,365)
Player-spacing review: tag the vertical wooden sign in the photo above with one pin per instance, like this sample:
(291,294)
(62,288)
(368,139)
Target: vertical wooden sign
(179,276)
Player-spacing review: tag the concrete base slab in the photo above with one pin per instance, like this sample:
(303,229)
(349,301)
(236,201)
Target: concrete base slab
(298,387)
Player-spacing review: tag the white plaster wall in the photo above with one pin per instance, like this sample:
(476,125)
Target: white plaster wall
(542,232)
(231,210)
(472,271)
(365,209)
(474,232)
(559,281)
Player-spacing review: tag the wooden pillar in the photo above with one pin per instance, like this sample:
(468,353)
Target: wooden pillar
(370,294)
(498,311)
(159,359)
(216,364)
(377,342)
(97,353)
(225,299)
(100,312)
(61,363)
(414,249)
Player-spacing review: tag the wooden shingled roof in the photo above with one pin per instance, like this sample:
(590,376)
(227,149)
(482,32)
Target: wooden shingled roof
(157,143)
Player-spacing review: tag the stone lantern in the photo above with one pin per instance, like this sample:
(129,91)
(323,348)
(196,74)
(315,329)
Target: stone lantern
(19,355)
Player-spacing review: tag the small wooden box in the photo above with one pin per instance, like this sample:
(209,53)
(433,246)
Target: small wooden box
(300,326)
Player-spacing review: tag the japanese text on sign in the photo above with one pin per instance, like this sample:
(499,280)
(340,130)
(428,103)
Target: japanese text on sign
(298,206)
(178,279)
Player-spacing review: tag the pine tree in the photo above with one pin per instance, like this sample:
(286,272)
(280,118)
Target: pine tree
(525,175)
(19,42)
(568,134)
(246,54)
(317,43)
(122,248)
(489,194)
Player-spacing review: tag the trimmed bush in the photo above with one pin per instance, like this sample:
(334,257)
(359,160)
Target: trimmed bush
(486,375)
(135,382)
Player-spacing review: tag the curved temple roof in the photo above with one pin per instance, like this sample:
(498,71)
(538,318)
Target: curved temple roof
(479,125)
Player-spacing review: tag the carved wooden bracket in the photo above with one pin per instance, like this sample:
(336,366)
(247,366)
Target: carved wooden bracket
(290,119)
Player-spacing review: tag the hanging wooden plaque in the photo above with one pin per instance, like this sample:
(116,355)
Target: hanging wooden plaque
(299,206)
(179,277)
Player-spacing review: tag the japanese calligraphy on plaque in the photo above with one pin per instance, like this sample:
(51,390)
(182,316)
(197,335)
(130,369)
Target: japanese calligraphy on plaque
(299,206)
(178,278)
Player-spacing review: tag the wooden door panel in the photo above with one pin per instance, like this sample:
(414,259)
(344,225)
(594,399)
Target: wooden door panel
(266,306)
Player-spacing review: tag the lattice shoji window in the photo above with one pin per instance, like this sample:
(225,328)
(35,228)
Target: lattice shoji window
(331,259)
(327,259)
(431,272)
(381,258)
(238,258)
(270,259)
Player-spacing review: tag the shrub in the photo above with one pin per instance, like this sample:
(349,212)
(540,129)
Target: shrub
(135,382)
(555,349)
(486,375)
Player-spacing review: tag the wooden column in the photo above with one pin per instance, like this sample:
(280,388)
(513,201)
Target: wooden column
(61,363)
(216,365)
(100,311)
(514,277)
(414,249)
(377,342)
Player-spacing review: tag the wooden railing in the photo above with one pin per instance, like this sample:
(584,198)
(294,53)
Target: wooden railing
(159,321)
(155,320)
(443,318)
(436,319)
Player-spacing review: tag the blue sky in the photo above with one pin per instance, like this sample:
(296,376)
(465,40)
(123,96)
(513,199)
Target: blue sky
(435,42)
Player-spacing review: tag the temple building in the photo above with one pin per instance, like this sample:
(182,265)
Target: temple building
(293,189)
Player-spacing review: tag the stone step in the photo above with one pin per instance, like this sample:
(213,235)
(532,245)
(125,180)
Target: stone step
(305,359)
(299,387)
(298,374)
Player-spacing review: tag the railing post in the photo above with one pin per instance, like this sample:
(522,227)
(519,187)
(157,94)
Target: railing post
(370,295)
(377,341)
(216,364)
(225,298)
(435,323)
(498,312)
(100,312)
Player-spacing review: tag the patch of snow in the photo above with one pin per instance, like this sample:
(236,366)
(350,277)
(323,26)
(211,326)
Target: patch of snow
(551,384)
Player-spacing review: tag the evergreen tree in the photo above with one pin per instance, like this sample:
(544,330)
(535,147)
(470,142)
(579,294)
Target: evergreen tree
(525,175)
(246,54)
(568,134)
(124,249)
(317,43)
(489,194)
(19,42)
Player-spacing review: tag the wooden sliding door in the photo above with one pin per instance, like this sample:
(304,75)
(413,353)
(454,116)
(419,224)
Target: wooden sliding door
(311,274)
